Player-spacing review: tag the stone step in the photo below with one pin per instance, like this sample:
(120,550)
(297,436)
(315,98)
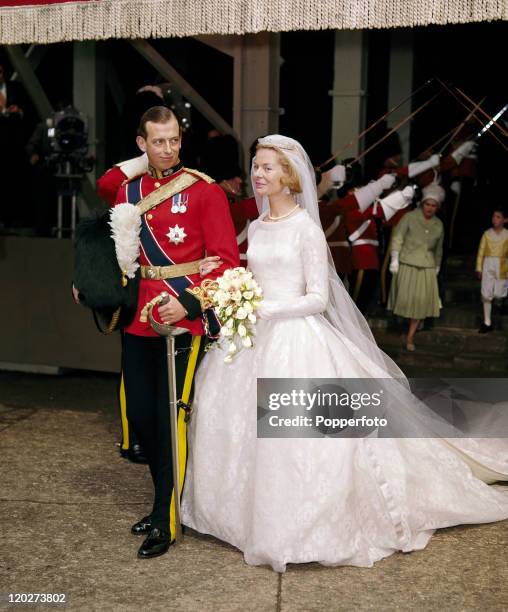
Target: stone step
(452,317)
(459,316)
(458,260)
(461,290)
(453,341)
(432,364)
(461,262)
(436,357)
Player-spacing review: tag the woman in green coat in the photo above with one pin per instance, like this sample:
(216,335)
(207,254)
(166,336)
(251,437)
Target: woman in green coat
(416,251)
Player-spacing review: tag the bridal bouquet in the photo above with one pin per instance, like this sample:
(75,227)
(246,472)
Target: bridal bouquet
(235,297)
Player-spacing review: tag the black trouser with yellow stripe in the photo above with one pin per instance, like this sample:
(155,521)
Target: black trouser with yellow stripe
(129,438)
(145,374)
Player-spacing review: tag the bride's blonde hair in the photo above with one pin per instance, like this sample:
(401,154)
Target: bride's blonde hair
(292,180)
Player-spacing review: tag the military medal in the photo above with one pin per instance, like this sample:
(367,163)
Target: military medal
(176,234)
(179,203)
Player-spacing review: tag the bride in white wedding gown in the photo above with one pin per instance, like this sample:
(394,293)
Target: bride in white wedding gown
(334,501)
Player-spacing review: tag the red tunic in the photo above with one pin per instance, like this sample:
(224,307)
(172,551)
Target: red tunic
(363,254)
(332,216)
(109,184)
(242,213)
(209,231)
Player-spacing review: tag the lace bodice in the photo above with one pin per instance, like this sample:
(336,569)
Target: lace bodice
(289,261)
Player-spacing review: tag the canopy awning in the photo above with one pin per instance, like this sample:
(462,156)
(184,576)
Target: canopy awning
(47,21)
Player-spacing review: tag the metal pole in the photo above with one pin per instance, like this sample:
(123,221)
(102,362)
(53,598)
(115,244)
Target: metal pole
(73,213)
(59,221)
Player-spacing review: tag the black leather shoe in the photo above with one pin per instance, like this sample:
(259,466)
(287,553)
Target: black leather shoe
(485,329)
(142,527)
(156,543)
(135,454)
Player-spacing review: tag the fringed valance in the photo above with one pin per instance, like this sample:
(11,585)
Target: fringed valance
(47,21)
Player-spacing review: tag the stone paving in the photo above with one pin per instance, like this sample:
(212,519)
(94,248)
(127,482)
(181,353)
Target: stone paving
(67,501)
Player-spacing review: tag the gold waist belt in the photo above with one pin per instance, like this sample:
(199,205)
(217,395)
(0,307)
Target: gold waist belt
(174,271)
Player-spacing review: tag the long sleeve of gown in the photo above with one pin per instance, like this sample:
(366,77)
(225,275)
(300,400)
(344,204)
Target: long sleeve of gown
(314,253)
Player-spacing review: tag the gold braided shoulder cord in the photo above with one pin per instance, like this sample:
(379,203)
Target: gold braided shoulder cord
(201,175)
(204,293)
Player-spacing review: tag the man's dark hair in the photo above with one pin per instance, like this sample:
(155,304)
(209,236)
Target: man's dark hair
(156,114)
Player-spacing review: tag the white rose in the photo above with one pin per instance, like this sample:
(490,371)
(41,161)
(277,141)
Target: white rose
(242,330)
(247,342)
(258,292)
(241,313)
(221,298)
(232,348)
(252,318)
(248,307)
(248,295)
(230,323)
(226,332)
(229,311)
(236,296)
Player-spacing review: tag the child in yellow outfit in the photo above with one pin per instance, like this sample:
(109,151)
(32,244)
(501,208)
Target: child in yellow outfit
(492,266)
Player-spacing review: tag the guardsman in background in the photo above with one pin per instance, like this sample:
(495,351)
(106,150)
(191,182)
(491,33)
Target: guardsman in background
(349,224)
(331,215)
(191,222)
(363,237)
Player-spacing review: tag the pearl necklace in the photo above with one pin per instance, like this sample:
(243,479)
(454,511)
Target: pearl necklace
(283,216)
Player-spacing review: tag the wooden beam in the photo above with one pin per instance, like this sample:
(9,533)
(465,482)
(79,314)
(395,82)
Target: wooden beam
(35,54)
(165,69)
(224,44)
(30,81)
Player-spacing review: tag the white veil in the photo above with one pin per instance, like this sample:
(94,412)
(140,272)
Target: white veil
(341,311)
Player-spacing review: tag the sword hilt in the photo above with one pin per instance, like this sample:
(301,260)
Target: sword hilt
(163,329)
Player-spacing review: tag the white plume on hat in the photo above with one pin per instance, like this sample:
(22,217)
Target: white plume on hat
(433,192)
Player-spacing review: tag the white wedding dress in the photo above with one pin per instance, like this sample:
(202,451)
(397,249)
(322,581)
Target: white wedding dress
(335,501)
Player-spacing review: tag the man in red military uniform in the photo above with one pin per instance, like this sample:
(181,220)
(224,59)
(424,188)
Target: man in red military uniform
(349,225)
(192,222)
(331,215)
(362,235)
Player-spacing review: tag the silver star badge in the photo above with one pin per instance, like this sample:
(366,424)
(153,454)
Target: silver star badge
(176,234)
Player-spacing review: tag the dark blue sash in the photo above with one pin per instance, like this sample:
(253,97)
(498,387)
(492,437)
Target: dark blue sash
(154,253)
